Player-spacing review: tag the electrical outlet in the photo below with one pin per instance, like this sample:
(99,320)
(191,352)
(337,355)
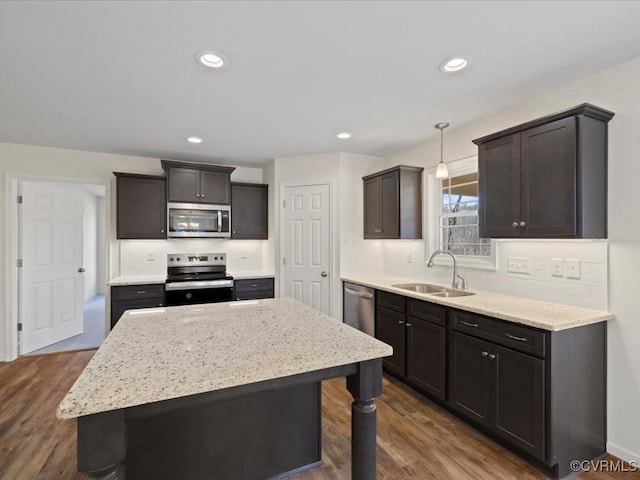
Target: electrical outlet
(151,257)
(519,265)
(573,268)
(557,267)
(244,255)
(409,257)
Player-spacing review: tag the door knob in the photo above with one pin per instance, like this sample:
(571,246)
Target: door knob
(324,274)
(81,270)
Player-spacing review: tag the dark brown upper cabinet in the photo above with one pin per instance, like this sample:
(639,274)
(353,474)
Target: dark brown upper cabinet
(546,178)
(249,211)
(393,203)
(198,183)
(141,206)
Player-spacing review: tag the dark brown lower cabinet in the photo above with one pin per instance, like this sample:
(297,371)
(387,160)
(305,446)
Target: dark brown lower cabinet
(426,354)
(499,388)
(131,297)
(541,393)
(416,331)
(390,329)
(253,288)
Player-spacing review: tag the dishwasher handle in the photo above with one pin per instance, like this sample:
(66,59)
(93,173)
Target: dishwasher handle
(368,296)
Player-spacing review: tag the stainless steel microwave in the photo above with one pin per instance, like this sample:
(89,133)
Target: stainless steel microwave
(194,220)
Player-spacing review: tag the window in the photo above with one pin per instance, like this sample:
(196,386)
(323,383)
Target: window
(452,217)
(459,217)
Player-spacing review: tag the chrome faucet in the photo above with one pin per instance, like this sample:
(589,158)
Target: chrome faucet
(454,282)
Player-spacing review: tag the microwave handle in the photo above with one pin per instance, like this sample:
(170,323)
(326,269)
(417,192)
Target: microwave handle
(219,220)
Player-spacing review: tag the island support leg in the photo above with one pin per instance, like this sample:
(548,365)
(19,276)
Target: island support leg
(364,386)
(102,445)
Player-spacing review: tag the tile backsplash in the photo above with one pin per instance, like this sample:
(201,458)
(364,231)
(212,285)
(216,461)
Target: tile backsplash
(149,257)
(588,291)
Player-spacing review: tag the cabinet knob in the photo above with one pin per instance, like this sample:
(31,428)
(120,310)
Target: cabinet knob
(523,224)
(162,230)
(514,224)
(202,195)
(484,354)
(492,356)
(408,325)
(400,322)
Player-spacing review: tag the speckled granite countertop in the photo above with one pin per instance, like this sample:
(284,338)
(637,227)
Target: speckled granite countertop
(163,353)
(243,275)
(544,315)
(137,280)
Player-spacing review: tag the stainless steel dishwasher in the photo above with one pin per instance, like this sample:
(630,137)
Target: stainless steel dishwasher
(359,307)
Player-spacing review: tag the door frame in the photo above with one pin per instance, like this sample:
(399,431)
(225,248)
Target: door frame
(12,241)
(334,276)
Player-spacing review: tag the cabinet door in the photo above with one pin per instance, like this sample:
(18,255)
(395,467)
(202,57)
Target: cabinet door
(519,399)
(390,328)
(426,361)
(390,208)
(184,185)
(470,377)
(372,205)
(549,179)
(499,187)
(249,212)
(141,207)
(215,187)
(119,307)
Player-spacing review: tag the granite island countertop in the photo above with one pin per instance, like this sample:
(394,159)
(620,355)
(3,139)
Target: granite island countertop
(534,313)
(158,354)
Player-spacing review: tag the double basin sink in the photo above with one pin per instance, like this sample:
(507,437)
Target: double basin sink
(435,290)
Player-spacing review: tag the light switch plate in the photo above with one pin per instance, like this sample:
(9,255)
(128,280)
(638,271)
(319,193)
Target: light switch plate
(557,267)
(519,265)
(151,257)
(409,257)
(573,268)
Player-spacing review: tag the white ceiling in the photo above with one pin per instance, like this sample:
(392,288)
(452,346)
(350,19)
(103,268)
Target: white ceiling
(121,76)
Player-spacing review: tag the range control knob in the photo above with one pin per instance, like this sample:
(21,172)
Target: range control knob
(171,259)
(178,259)
(215,258)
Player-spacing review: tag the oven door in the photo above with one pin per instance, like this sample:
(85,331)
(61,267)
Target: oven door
(188,220)
(192,296)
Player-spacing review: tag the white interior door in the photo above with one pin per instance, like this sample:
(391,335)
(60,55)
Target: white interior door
(307,245)
(52,287)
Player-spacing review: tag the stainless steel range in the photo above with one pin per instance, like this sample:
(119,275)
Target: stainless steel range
(198,278)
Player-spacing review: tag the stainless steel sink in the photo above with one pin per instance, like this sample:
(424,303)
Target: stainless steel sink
(435,290)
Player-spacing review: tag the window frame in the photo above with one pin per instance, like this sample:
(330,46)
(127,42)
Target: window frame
(433,209)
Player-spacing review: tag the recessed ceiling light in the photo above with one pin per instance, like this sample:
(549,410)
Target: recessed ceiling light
(343,135)
(455,64)
(211,59)
(194,140)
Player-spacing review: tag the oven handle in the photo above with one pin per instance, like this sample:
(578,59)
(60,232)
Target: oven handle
(198,285)
(219,221)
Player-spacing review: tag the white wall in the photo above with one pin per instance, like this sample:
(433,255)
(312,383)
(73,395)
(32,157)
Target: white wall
(90,244)
(56,164)
(101,260)
(617,89)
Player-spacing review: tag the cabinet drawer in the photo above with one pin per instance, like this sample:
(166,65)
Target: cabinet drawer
(426,311)
(516,337)
(254,288)
(135,292)
(390,300)
(119,307)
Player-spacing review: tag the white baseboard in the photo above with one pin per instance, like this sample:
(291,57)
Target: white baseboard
(622,453)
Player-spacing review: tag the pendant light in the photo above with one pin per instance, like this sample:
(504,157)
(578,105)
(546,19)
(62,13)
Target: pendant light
(442,171)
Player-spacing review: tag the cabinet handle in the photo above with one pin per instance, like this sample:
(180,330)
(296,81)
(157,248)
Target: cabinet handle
(492,356)
(202,195)
(467,324)
(484,354)
(141,292)
(400,322)
(514,224)
(409,325)
(523,224)
(513,337)
(162,230)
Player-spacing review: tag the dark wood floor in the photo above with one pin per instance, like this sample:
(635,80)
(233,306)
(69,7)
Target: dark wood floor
(416,438)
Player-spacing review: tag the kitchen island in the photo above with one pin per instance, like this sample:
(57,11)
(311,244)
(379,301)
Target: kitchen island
(227,390)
